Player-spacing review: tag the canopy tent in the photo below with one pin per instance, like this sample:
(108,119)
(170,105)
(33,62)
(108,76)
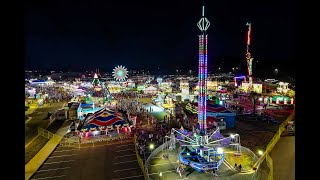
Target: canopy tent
(104,118)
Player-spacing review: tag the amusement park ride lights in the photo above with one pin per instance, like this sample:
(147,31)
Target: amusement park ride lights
(199,149)
(248,56)
(120,73)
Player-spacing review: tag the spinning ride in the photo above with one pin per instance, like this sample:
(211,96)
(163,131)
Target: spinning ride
(203,153)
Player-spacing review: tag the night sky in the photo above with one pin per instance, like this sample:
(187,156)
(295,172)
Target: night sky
(144,33)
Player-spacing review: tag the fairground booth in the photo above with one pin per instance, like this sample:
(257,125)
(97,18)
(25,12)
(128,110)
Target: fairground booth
(278,100)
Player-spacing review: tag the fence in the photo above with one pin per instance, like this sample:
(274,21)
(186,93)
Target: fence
(140,162)
(46,134)
(154,153)
(270,146)
(77,142)
(250,153)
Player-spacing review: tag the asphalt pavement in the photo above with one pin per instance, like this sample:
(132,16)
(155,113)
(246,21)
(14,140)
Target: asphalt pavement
(167,168)
(106,161)
(283,156)
(38,116)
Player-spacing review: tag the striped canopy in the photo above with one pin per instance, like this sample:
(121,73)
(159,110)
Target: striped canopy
(103,118)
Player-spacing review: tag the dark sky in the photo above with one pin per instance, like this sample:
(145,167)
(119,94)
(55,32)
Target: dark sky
(153,33)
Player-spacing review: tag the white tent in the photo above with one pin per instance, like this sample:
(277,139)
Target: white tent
(150,90)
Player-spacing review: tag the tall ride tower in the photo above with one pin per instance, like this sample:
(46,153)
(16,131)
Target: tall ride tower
(249,57)
(203,25)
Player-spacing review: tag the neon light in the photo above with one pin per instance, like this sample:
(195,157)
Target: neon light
(248,56)
(120,73)
(203,25)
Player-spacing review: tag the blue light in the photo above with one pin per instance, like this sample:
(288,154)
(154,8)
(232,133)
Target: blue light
(120,73)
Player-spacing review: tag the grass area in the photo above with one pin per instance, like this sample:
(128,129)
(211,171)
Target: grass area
(245,160)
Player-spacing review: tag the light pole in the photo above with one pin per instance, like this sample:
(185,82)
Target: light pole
(239,144)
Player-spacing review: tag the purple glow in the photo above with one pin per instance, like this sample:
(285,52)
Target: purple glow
(240,77)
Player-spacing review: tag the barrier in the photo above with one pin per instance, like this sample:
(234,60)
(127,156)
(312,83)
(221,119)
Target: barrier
(45,133)
(251,154)
(270,165)
(140,162)
(270,146)
(152,155)
(76,142)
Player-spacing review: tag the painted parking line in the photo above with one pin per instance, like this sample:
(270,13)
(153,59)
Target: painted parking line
(49,177)
(163,163)
(57,162)
(125,162)
(126,169)
(124,150)
(63,156)
(125,155)
(45,170)
(128,177)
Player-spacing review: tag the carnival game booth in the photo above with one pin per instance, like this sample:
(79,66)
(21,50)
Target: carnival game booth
(104,121)
(279,100)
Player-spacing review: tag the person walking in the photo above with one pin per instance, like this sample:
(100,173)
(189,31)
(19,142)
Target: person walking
(240,167)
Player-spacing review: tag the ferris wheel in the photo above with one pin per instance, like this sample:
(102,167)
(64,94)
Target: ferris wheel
(120,73)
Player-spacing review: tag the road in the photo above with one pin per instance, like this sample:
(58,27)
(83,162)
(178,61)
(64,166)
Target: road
(283,156)
(38,116)
(112,161)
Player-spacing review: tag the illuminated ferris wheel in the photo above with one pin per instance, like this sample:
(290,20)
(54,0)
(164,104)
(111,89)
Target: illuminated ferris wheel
(120,73)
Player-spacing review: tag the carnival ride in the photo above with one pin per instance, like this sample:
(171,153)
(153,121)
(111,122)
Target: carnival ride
(120,73)
(204,153)
(249,56)
(201,150)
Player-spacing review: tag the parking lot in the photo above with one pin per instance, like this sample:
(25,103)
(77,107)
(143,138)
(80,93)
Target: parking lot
(114,161)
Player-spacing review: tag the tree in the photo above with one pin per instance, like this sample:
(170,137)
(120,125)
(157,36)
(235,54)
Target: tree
(254,96)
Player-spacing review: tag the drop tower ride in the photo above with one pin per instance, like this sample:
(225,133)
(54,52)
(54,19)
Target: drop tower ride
(203,25)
